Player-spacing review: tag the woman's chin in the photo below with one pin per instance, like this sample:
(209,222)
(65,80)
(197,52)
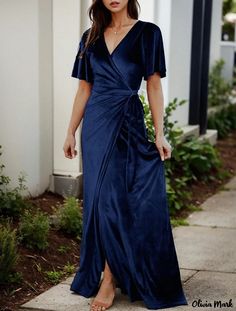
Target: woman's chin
(115,10)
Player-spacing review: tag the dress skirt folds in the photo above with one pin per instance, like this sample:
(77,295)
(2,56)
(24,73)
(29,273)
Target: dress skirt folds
(125,211)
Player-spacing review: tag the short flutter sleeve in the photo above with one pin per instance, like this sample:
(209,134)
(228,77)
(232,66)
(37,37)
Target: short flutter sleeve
(153,51)
(82,67)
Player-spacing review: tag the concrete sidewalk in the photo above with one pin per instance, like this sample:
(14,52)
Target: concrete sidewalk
(206,252)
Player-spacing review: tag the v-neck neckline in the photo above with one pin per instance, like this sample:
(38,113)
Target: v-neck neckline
(121,41)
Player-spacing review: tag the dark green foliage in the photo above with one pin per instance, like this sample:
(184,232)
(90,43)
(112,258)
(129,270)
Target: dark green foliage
(177,192)
(228,6)
(196,158)
(223,116)
(228,28)
(54,277)
(70,216)
(172,132)
(224,120)
(12,203)
(8,252)
(33,229)
(218,89)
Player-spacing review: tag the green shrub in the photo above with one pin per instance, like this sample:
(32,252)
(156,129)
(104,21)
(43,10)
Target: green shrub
(218,89)
(171,132)
(11,201)
(177,192)
(12,204)
(195,158)
(70,216)
(232,116)
(63,249)
(8,252)
(219,92)
(69,268)
(33,229)
(227,27)
(223,120)
(54,277)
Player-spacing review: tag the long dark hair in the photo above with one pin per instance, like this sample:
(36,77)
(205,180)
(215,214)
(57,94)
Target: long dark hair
(100,17)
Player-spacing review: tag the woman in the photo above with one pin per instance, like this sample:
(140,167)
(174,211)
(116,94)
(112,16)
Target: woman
(126,226)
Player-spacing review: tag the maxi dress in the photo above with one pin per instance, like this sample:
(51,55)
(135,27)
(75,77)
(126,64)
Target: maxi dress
(125,212)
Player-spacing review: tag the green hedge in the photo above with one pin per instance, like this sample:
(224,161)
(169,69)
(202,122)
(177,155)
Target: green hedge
(223,120)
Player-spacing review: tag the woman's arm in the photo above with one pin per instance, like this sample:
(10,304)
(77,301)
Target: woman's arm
(81,97)
(156,104)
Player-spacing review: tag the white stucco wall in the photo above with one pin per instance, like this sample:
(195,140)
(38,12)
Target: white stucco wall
(227,52)
(147,12)
(25,91)
(215,44)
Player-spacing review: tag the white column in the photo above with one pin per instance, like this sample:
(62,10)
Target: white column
(66,35)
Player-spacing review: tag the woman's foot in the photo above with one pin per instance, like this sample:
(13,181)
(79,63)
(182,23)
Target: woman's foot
(105,296)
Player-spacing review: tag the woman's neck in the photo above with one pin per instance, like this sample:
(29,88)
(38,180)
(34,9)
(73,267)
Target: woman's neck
(120,19)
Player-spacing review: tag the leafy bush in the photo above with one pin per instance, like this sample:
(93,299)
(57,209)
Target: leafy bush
(8,252)
(11,201)
(63,249)
(227,27)
(55,276)
(218,89)
(195,159)
(33,229)
(223,120)
(177,192)
(12,204)
(69,268)
(171,132)
(70,216)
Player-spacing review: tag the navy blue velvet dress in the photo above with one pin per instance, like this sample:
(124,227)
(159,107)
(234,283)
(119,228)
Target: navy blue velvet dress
(125,212)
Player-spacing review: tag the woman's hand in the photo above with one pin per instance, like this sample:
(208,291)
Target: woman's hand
(163,147)
(69,146)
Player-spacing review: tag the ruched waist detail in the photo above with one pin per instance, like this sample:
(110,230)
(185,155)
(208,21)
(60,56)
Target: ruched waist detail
(114,92)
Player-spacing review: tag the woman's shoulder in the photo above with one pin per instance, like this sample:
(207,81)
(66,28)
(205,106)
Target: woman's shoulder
(84,35)
(151,27)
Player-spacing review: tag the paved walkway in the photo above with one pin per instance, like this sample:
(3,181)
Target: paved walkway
(206,251)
